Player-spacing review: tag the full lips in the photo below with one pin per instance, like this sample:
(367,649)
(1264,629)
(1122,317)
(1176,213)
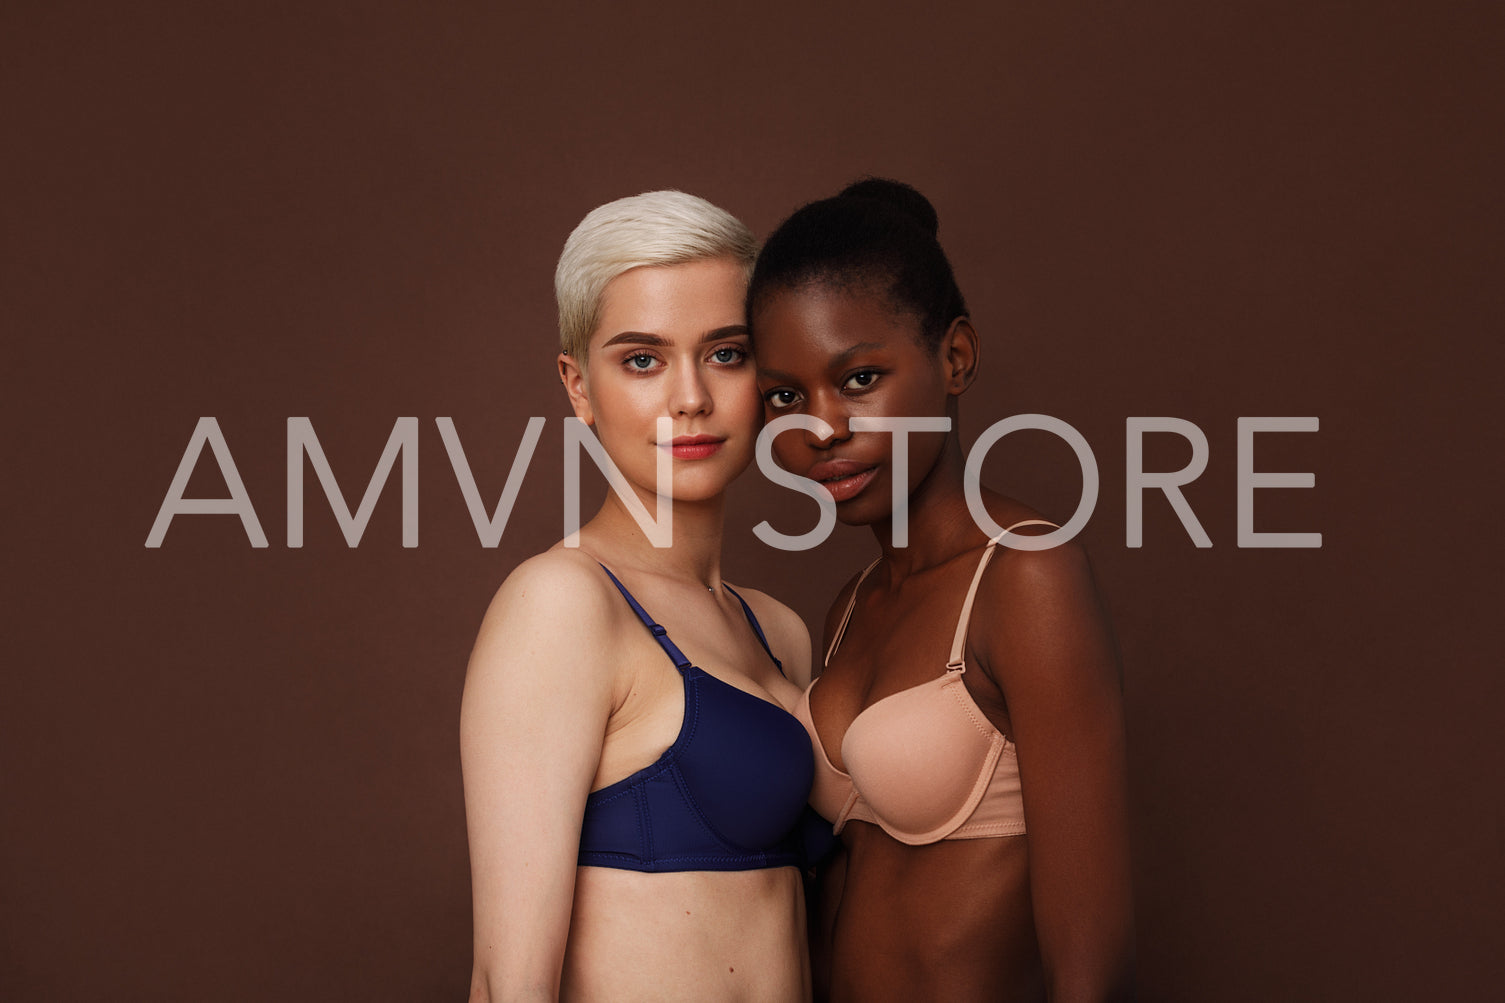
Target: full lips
(846,488)
(695,449)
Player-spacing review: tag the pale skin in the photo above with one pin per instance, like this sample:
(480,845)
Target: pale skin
(567,692)
(1045,915)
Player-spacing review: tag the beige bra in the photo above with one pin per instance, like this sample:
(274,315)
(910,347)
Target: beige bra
(925,763)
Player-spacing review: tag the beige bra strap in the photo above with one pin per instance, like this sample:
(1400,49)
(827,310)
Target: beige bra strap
(959,643)
(847,617)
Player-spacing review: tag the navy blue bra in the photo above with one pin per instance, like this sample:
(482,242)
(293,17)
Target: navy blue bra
(730,793)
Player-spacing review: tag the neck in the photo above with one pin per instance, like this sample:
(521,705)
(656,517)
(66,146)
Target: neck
(694,554)
(940,525)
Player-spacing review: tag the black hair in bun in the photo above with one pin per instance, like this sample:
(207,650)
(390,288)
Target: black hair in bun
(899,196)
(877,235)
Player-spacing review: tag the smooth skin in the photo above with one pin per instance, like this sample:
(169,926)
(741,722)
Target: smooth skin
(567,692)
(1046,915)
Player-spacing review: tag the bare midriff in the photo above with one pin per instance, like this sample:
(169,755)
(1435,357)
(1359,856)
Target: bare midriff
(687,935)
(947,920)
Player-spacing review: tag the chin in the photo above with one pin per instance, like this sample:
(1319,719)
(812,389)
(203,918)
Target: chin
(863,519)
(699,486)
(863,511)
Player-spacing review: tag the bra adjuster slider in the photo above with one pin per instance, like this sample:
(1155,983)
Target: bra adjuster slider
(659,631)
(956,666)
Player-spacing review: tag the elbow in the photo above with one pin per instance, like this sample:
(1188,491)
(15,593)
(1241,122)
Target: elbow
(486,987)
(1109,981)
(480,987)
(1090,991)
(480,991)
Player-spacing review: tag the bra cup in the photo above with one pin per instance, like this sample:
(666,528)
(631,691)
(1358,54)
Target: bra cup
(757,755)
(922,759)
(728,795)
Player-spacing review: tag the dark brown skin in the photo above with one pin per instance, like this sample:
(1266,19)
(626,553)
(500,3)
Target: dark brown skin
(1045,915)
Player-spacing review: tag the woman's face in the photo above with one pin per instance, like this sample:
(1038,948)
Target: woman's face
(836,355)
(672,342)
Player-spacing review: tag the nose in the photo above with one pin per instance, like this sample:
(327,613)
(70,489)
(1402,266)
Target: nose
(689,395)
(833,414)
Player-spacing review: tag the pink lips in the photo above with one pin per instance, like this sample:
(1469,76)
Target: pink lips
(845,479)
(694,447)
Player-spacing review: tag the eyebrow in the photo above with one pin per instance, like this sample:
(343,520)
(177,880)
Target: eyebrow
(643,338)
(837,362)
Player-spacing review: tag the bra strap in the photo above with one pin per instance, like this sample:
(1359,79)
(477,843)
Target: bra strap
(757,628)
(959,643)
(846,618)
(660,634)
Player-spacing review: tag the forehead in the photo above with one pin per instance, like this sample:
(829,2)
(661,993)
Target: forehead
(674,301)
(813,323)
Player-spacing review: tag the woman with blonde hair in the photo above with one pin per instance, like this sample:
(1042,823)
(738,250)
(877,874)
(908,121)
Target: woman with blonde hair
(634,780)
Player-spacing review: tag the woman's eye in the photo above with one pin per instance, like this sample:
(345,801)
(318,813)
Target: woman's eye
(860,381)
(728,355)
(640,362)
(779,399)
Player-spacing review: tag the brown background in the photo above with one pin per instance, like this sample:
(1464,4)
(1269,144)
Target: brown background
(232,773)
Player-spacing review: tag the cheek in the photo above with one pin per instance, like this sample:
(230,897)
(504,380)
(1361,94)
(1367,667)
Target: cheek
(738,396)
(620,409)
(789,450)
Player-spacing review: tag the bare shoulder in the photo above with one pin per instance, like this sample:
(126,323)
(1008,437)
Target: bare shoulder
(1062,566)
(785,629)
(1039,611)
(556,603)
(556,582)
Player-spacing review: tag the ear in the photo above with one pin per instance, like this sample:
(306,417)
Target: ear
(573,378)
(960,353)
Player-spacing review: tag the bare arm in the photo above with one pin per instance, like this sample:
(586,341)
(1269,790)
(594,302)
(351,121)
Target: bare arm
(1050,650)
(532,721)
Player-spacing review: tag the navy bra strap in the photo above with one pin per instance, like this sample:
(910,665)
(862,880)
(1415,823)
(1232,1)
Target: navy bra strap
(659,633)
(757,628)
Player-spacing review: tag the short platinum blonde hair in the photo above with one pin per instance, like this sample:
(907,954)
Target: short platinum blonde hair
(655,228)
